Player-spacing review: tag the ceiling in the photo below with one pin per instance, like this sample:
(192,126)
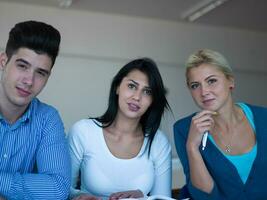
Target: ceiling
(244,14)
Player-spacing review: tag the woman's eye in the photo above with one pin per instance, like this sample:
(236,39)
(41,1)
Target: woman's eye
(211,81)
(194,86)
(131,86)
(148,92)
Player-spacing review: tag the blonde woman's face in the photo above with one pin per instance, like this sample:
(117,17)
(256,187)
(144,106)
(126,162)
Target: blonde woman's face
(209,87)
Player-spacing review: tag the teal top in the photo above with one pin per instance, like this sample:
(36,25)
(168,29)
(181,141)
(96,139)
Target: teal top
(243,163)
(227,182)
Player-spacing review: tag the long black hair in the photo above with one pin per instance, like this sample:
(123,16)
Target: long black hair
(150,121)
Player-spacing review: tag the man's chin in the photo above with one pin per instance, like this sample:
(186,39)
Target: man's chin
(22,102)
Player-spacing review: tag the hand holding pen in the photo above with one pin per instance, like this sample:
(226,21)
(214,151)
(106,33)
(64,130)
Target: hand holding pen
(200,126)
(205,136)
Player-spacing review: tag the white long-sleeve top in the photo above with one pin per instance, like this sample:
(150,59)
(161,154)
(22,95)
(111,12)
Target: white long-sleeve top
(103,174)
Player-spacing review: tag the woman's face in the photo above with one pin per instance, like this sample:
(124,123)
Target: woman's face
(209,87)
(134,95)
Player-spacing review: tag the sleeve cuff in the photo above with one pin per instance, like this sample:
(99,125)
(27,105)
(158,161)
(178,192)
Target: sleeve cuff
(199,194)
(5,183)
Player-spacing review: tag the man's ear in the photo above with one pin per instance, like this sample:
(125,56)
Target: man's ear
(3,60)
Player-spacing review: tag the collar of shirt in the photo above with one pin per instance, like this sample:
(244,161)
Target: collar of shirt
(27,114)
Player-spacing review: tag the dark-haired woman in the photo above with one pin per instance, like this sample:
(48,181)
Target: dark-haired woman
(122,154)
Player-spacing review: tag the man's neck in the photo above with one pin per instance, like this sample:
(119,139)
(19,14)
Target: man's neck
(10,112)
(11,115)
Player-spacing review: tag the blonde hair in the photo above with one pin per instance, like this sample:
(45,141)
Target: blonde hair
(207,56)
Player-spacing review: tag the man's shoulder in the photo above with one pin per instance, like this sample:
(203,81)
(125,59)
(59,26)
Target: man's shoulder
(42,112)
(45,118)
(42,108)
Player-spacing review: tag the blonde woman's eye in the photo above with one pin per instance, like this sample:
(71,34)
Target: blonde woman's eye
(211,81)
(194,86)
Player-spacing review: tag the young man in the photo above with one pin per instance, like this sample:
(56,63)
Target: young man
(34,159)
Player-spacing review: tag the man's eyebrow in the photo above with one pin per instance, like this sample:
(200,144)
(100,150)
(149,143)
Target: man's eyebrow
(27,63)
(22,60)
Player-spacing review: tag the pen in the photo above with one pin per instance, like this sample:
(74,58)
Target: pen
(205,136)
(204,140)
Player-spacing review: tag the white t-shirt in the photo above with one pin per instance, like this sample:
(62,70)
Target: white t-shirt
(103,174)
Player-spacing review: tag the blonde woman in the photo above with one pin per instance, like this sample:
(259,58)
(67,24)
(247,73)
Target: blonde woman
(233,164)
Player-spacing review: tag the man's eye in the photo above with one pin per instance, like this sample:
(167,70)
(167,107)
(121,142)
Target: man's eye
(22,66)
(41,73)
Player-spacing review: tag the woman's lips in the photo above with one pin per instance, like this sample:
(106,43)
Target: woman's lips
(207,101)
(133,107)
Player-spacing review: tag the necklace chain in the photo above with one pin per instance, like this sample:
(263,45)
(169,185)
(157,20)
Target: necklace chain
(228,147)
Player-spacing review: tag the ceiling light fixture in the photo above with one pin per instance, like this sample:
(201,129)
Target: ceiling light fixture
(64,3)
(201,9)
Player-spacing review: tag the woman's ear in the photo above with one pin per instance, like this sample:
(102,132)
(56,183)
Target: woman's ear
(117,91)
(232,83)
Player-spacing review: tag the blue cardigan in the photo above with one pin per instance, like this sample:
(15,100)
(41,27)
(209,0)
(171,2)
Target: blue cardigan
(227,182)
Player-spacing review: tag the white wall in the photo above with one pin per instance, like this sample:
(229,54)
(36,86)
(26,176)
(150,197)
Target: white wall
(95,45)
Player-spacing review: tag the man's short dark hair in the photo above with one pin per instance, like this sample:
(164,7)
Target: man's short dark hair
(37,36)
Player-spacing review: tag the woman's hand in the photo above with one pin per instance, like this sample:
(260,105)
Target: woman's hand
(201,122)
(126,194)
(86,197)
